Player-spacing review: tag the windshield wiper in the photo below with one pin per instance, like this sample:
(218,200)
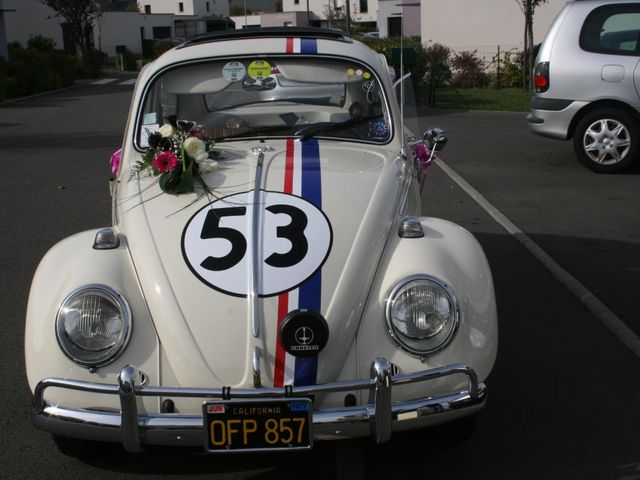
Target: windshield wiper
(327,127)
(256,131)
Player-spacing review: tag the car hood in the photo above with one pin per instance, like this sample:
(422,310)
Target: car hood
(220,269)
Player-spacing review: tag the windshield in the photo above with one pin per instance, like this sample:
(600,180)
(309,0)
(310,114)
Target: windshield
(271,97)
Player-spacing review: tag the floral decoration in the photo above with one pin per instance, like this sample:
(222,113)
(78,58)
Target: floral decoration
(114,161)
(179,154)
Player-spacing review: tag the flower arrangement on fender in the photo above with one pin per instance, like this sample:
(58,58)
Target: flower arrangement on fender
(178,153)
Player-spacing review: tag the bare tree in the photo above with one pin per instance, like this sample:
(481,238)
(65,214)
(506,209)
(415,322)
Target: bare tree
(528,8)
(79,16)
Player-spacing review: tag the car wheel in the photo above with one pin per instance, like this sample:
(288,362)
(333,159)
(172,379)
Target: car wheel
(606,140)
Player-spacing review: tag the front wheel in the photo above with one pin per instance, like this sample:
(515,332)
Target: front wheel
(606,140)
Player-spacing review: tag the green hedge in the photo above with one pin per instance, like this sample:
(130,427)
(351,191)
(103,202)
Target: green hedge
(419,71)
(32,70)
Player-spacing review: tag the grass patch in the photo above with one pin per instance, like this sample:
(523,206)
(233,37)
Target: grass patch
(503,100)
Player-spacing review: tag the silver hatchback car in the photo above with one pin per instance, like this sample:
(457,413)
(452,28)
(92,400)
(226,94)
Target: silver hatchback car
(587,82)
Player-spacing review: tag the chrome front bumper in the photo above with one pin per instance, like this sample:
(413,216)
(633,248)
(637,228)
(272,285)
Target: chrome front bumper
(378,418)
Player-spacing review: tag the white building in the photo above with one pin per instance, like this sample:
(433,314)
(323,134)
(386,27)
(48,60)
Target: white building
(362,11)
(28,18)
(198,8)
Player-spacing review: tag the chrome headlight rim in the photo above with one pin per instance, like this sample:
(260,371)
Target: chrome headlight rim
(111,354)
(441,339)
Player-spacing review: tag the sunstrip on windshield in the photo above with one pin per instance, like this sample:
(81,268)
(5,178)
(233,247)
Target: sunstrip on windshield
(302,45)
(302,177)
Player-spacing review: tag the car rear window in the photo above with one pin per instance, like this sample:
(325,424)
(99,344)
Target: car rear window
(612,29)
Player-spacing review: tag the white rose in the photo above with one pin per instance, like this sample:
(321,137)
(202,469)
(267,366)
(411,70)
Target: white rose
(166,130)
(194,147)
(207,165)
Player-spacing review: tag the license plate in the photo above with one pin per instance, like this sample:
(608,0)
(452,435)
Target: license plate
(257,425)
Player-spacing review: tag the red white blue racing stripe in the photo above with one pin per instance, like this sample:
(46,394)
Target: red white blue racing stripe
(307,46)
(302,178)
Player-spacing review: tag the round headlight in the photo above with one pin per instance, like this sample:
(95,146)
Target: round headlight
(93,325)
(422,314)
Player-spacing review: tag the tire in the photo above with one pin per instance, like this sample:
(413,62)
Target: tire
(607,140)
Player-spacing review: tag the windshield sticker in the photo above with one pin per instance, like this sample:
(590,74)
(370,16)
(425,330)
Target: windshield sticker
(351,72)
(296,240)
(145,132)
(233,71)
(259,69)
(366,75)
(150,118)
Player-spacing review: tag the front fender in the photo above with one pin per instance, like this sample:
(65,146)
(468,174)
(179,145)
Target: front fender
(71,264)
(452,254)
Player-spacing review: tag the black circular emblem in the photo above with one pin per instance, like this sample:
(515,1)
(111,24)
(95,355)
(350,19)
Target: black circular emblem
(304,333)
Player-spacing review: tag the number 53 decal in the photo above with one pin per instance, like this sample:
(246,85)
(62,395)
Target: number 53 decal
(295,237)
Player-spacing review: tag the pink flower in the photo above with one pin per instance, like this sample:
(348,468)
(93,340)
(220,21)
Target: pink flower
(165,161)
(115,161)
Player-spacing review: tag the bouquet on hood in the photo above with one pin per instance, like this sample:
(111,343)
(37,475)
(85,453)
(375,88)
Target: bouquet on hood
(179,154)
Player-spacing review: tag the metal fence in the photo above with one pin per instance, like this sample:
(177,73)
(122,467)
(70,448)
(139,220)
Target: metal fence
(502,63)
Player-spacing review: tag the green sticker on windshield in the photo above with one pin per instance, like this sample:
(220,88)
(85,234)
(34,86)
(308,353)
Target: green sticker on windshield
(259,69)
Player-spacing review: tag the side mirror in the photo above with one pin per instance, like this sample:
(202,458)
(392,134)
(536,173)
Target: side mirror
(435,138)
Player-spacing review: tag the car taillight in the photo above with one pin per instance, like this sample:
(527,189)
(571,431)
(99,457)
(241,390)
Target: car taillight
(541,77)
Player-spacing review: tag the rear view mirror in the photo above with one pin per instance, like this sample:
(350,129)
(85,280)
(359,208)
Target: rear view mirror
(435,139)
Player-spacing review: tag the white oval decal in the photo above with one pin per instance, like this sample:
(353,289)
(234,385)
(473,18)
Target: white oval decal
(295,241)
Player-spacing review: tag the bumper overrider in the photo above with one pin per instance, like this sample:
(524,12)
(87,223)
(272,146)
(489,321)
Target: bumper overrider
(378,418)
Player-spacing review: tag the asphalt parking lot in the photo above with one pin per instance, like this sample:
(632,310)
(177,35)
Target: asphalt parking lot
(587,222)
(563,394)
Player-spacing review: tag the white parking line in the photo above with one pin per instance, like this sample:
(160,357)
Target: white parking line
(609,319)
(131,81)
(104,81)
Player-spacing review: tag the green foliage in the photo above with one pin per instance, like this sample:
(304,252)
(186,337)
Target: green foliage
(504,99)
(469,70)
(41,43)
(419,71)
(512,69)
(36,68)
(437,61)
(162,46)
(237,10)
(129,60)
(3,79)
(93,61)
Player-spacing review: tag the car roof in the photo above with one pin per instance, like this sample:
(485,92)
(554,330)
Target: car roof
(269,32)
(268,41)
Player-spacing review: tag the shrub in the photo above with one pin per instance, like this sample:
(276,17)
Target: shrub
(3,79)
(129,60)
(512,69)
(438,70)
(93,61)
(469,70)
(162,46)
(418,71)
(41,43)
(32,70)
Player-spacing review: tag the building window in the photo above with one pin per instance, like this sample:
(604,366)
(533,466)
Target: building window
(296,2)
(147,9)
(364,6)
(161,33)
(180,7)
(208,7)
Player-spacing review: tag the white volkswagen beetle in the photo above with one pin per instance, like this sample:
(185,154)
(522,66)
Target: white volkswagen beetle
(268,279)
